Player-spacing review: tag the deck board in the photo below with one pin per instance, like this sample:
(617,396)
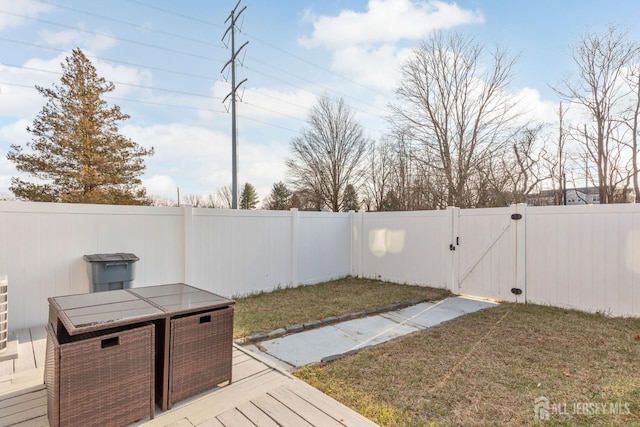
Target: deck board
(25,409)
(6,368)
(26,360)
(235,418)
(211,423)
(258,417)
(329,405)
(299,405)
(39,342)
(260,394)
(279,412)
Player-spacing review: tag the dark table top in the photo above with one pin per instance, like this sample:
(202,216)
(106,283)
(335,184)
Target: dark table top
(94,311)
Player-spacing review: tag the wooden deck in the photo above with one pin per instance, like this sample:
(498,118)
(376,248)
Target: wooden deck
(260,395)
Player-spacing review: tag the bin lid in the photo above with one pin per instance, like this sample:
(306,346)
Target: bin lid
(119,257)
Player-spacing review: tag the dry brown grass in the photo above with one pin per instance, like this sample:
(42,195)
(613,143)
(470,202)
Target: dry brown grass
(266,312)
(487,368)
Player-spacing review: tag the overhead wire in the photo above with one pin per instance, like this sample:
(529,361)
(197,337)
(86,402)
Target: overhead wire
(258,39)
(306,61)
(131,24)
(174,13)
(160,89)
(116,61)
(326,88)
(196,56)
(299,58)
(162,104)
(110,36)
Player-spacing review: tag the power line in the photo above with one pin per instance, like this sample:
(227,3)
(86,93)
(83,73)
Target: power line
(299,58)
(280,70)
(139,101)
(310,81)
(130,24)
(276,112)
(174,13)
(116,61)
(267,123)
(313,93)
(163,104)
(272,46)
(179,92)
(96,33)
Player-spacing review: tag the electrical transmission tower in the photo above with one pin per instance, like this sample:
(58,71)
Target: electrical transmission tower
(232,19)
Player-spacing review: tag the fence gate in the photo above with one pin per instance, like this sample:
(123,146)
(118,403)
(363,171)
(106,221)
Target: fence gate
(490,253)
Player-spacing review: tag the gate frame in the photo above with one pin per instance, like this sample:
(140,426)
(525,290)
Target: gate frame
(519,247)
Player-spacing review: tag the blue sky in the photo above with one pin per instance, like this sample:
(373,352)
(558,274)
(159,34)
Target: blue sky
(165,58)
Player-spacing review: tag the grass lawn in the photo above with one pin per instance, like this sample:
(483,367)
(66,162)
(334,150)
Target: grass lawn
(487,368)
(266,312)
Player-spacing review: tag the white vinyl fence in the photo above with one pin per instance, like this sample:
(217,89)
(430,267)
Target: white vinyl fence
(584,257)
(228,252)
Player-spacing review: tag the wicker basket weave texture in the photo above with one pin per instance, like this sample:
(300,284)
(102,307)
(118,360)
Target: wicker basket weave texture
(201,353)
(107,380)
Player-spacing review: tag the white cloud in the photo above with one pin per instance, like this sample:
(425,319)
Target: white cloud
(264,103)
(201,158)
(267,165)
(160,185)
(374,66)
(366,45)
(15,9)
(13,133)
(387,21)
(99,40)
(19,97)
(535,108)
(196,154)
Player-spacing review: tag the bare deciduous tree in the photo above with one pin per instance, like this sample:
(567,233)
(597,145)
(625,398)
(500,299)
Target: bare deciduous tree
(330,152)
(223,196)
(457,109)
(599,88)
(192,199)
(379,175)
(632,122)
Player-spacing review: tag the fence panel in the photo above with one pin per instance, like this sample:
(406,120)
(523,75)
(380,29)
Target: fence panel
(324,246)
(42,247)
(585,257)
(406,247)
(241,252)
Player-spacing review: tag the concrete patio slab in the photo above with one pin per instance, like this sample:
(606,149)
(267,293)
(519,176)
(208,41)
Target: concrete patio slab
(302,348)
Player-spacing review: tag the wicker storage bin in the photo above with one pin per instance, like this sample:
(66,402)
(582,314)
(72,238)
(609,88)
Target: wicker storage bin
(200,353)
(105,380)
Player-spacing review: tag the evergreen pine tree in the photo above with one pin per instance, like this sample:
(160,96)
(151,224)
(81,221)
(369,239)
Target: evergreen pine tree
(350,200)
(77,154)
(249,197)
(280,197)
